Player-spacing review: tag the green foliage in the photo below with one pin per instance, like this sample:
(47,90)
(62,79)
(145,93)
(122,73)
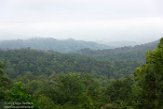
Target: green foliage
(150,80)
(119,92)
(18,93)
(51,80)
(66,90)
(19,96)
(44,102)
(123,60)
(73,88)
(38,62)
(110,62)
(5,83)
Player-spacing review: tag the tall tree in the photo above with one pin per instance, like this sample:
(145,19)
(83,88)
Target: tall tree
(150,79)
(4,84)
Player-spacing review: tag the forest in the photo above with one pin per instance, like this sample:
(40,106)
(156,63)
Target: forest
(120,78)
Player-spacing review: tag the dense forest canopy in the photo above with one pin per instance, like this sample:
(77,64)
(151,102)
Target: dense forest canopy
(109,62)
(85,80)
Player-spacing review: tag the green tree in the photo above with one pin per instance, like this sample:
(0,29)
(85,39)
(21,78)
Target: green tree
(19,95)
(73,89)
(149,79)
(5,83)
(119,93)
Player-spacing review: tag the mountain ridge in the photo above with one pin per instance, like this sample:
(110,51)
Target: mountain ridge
(65,46)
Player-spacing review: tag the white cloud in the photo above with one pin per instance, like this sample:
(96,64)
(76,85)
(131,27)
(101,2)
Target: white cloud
(82,19)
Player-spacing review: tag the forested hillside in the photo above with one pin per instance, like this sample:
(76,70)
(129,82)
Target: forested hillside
(110,62)
(23,61)
(124,59)
(39,62)
(51,80)
(131,53)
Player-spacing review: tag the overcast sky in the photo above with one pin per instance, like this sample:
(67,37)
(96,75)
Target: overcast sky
(94,20)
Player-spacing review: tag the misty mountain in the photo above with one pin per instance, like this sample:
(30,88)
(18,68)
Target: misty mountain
(136,53)
(122,53)
(117,44)
(124,59)
(69,45)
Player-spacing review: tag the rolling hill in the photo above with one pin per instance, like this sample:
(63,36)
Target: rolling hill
(64,46)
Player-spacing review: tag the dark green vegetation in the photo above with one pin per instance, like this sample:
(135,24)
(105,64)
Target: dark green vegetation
(112,63)
(124,59)
(51,80)
(150,79)
(38,62)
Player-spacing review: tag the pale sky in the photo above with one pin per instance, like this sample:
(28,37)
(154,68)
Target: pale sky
(93,20)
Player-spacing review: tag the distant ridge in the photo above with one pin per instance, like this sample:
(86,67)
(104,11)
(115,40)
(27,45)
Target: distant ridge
(117,44)
(64,46)
(122,52)
(72,45)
